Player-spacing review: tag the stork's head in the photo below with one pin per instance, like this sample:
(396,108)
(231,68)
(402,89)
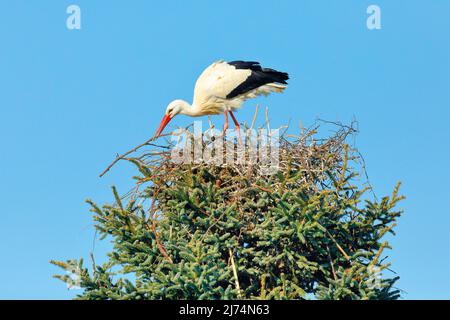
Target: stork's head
(172,110)
(175,108)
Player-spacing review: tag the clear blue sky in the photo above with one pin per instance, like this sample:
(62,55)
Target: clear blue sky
(70,100)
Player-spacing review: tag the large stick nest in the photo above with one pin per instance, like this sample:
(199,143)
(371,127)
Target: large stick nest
(304,159)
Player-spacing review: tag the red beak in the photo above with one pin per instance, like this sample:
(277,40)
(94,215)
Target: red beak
(163,124)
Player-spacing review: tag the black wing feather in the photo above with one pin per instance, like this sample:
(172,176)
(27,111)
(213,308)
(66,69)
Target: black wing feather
(259,77)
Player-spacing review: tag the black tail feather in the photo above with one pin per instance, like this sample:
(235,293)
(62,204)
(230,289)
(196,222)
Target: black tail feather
(259,77)
(278,76)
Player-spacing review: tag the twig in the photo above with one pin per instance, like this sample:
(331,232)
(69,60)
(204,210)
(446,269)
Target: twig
(118,158)
(267,120)
(151,219)
(153,227)
(254,117)
(211,125)
(338,246)
(331,263)
(262,188)
(238,288)
(94,267)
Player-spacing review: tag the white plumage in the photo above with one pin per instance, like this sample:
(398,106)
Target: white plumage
(223,87)
(217,81)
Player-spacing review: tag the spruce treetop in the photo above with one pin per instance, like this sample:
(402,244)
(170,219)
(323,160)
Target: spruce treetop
(312,229)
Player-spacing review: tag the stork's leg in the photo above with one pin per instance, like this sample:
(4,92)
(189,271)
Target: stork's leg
(238,127)
(225,126)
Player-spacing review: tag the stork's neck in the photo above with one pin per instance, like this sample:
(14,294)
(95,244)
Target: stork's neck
(189,110)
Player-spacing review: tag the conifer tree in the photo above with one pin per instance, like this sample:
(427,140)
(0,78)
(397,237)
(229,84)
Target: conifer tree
(312,230)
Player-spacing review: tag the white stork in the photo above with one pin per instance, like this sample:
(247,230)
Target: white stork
(223,87)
